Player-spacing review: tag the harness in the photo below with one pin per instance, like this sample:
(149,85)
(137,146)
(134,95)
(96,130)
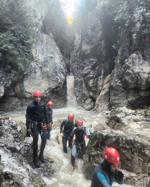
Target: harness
(66,121)
(73,122)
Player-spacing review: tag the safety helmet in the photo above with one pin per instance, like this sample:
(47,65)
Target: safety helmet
(37,93)
(50,103)
(111,155)
(79,122)
(71,116)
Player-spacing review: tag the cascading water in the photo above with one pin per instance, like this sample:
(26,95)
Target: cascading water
(71,98)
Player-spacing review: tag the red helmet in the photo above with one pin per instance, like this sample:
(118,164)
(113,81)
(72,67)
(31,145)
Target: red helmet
(111,155)
(71,116)
(37,93)
(79,122)
(50,103)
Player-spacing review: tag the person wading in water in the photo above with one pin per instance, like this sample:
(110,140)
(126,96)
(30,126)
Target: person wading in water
(36,123)
(66,129)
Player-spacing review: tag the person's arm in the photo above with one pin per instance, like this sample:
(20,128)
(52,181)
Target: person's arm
(28,116)
(86,134)
(102,182)
(75,123)
(72,135)
(61,126)
(45,114)
(119,177)
(52,116)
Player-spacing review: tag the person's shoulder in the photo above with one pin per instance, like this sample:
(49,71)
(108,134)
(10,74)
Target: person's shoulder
(98,168)
(75,129)
(84,129)
(42,104)
(30,105)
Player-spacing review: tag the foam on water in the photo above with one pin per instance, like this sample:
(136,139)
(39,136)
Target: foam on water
(64,175)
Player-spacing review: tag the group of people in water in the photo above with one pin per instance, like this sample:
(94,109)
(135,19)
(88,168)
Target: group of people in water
(39,120)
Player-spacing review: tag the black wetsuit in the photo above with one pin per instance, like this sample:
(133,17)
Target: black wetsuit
(66,128)
(102,178)
(50,120)
(80,136)
(36,115)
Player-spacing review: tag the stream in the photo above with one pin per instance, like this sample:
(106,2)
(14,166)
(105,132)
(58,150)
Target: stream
(64,175)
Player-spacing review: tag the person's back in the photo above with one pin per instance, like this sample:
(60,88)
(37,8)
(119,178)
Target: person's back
(101,178)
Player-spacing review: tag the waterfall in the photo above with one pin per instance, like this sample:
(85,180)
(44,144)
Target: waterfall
(71,98)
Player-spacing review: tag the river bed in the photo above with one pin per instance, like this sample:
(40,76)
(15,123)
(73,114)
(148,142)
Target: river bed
(64,175)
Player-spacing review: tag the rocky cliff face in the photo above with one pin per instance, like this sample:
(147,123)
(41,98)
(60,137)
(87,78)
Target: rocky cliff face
(110,42)
(46,72)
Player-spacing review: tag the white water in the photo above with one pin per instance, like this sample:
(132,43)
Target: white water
(71,98)
(64,175)
(12,165)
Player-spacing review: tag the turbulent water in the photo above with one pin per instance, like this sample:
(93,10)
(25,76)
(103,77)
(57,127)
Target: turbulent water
(64,174)
(71,99)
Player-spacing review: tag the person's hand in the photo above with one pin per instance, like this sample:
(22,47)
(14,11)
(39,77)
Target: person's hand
(61,135)
(119,175)
(28,134)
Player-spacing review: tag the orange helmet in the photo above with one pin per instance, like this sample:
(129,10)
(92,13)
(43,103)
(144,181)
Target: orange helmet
(111,155)
(79,122)
(71,116)
(50,103)
(37,93)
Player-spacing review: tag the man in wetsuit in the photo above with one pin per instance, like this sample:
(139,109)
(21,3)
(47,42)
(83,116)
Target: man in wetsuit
(104,174)
(36,123)
(66,129)
(50,117)
(80,134)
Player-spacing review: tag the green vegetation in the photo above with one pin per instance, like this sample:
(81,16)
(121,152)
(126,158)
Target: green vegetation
(15,35)
(131,18)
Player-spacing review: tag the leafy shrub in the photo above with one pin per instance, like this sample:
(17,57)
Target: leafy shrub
(15,35)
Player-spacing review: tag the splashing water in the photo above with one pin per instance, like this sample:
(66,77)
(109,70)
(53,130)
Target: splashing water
(64,175)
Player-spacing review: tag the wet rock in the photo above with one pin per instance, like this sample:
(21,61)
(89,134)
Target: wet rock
(17,153)
(130,83)
(1,123)
(46,169)
(99,126)
(88,104)
(17,88)
(37,181)
(136,180)
(115,123)
(131,121)
(102,101)
(11,180)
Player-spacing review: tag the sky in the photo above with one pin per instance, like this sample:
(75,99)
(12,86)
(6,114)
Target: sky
(70,6)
